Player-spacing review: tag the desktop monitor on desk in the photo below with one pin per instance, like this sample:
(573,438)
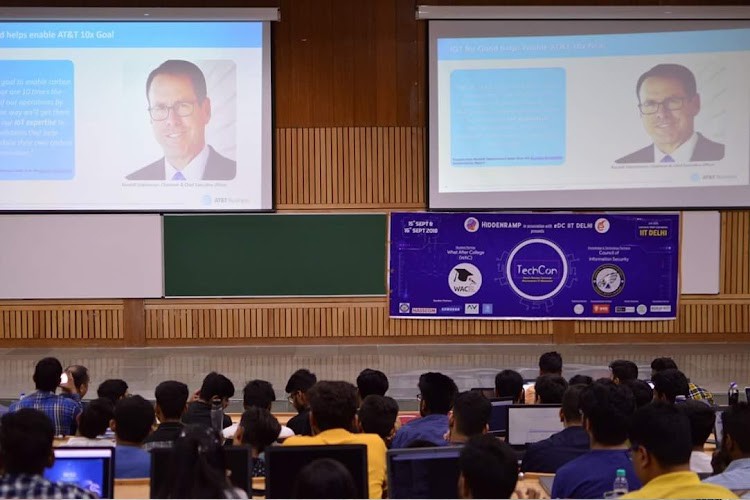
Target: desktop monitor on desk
(423,472)
(89,468)
(532,423)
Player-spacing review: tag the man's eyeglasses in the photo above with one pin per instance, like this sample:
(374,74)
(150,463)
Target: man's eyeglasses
(292,396)
(670,103)
(419,397)
(182,109)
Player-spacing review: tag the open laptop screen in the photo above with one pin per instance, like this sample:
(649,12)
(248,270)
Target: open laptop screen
(89,468)
(532,423)
(423,472)
(499,416)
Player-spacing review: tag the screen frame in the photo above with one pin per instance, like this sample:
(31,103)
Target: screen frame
(107,453)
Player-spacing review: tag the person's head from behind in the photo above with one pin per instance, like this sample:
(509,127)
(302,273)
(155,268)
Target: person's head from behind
(377,415)
(26,442)
(298,385)
(171,400)
(580,380)
(258,428)
(470,417)
(735,441)
(324,478)
(660,440)
(216,386)
(570,412)
(642,392)
(607,408)
(371,382)
(258,393)
(333,405)
(661,364)
(197,466)
(509,383)
(550,363)
(47,374)
(95,418)
(623,370)
(668,102)
(550,389)
(669,384)
(436,392)
(488,468)
(81,378)
(179,109)
(113,389)
(132,420)
(702,419)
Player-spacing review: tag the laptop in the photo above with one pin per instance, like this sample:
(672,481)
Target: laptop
(532,423)
(423,472)
(499,417)
(237,460)
(718,426)
(90,468)
(283,463)
(546,484)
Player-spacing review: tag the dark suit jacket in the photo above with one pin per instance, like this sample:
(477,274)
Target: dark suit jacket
(218,168)
(705,150)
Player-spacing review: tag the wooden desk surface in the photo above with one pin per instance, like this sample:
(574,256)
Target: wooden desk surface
(530,481)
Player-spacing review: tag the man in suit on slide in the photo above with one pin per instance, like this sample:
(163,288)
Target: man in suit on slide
(668,102)
(180,109)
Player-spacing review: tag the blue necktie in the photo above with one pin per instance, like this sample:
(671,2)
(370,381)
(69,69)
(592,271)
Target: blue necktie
(667,159)
(178,177)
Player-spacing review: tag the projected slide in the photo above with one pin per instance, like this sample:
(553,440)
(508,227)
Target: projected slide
(603,112)
(134,116)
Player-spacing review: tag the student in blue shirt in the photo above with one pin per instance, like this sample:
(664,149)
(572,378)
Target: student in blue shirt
(134,417)
(436,395)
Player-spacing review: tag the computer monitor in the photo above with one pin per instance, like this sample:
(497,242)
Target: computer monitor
(283,463)
(499,416)
(532,423)
(92,469)
(237,460)
(423,472)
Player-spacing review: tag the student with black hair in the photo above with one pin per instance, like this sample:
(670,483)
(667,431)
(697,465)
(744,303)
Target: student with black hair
(669,385)
(642,392)
(297,386)
(132,422)
(735,445)
(550,363)
(580,380)
(215,386)
(509,383)
(258,394)
(171,403)
(623,370)
(113,389)
(26,438)
(606,408)
(694,391)
(324,478)
(552,453)
(93,423)
(436,395)
(660,449)
(549,389)
(488,468)
(702,419)
(470,417)
(371,382)
(259,429)
(377,415)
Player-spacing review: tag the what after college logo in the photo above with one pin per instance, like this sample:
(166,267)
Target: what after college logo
(465,279)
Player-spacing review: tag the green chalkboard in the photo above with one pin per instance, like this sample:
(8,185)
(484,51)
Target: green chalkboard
(274,255)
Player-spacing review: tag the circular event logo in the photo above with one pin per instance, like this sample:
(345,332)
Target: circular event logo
(465,280)
(536,269)
(471,224)
(601,225)
(641,309)
(608,280)
(578,308)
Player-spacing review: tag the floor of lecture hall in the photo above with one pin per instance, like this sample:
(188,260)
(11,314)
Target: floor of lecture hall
(711,366)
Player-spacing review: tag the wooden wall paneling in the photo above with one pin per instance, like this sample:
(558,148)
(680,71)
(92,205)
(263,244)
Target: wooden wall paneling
(735,252)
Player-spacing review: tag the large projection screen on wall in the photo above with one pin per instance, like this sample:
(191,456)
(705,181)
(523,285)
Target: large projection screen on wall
(135,109)
(549,113)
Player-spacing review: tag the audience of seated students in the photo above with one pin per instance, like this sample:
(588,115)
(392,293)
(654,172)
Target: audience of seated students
(488,468)
(371,381)
(552,453)
(171,403)
(642,392)
(623,370)
(670,385)
(436,395)
(509,383)
(324,478)
(470,417)
(258,394)
(735,448)
(214,386)
(702,418)
(197,467)
(550,363)
(113,389)
(81,378)
(333,412)
(63,410)
(581,380)
(377,415)
(133,420)
(694,392)
(549,389)
(660,449)
(259,429)
(93,423)
(26,438)
(297,386)
(607,409)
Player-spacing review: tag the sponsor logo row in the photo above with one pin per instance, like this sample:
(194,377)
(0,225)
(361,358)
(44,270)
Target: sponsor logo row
(488,309)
